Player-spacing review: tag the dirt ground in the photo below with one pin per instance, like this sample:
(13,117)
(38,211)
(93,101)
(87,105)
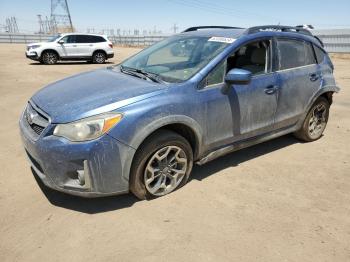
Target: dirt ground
(278,201)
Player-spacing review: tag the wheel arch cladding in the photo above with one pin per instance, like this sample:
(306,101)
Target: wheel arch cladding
(182,125)
(329,96)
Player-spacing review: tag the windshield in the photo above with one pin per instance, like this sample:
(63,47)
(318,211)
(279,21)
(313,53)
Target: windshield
(176,59)
(52,39)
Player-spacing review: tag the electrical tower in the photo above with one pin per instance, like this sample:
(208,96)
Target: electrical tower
(11,25)
(61,20)
(46,26)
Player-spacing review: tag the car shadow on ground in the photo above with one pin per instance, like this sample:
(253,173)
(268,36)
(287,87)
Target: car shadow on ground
(71,63)
(105,204)
(241,156)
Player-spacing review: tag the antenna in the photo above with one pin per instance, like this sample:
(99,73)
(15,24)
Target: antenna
(60,17)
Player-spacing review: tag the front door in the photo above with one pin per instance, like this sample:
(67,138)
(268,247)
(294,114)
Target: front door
(245,111)
(69,47)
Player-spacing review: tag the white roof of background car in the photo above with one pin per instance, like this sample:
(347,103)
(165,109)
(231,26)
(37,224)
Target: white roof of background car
(64,34)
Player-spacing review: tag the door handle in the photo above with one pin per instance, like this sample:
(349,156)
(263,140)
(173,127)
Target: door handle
(314,77)
(270,90)
(74,45)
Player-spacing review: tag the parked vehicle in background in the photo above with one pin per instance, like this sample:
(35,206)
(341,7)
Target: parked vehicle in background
(89,47)
(139,126)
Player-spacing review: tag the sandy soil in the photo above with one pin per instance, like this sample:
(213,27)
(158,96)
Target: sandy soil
(278,201)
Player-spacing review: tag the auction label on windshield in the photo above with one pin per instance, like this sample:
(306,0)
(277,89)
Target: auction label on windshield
(222,39)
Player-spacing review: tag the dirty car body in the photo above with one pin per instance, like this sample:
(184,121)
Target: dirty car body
(218,101)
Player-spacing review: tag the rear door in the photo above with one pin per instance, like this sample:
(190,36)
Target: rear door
(84,45)
(299,77)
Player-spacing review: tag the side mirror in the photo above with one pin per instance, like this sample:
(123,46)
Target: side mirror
(61,42)
(238,77)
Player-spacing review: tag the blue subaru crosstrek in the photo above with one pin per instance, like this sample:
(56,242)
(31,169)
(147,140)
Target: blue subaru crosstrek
(139,126)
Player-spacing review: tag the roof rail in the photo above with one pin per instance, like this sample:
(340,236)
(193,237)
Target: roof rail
(195,28)
(294,29)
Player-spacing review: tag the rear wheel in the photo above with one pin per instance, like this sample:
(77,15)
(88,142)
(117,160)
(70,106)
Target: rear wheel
(49,58)
(99,57)
(161,165)
(315,121)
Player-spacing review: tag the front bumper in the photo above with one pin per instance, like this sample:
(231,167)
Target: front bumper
(58,162)
(32,55)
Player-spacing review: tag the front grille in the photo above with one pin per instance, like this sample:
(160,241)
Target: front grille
(37,121)
(37,129)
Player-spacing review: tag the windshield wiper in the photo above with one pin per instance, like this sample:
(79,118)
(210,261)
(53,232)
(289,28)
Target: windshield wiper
(131,72)
(137,72)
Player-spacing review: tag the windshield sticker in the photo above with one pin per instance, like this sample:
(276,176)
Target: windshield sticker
(222,39)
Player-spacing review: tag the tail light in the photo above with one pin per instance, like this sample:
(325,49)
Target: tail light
(110,45)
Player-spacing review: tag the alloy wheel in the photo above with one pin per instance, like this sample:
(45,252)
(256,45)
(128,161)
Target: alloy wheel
(165,170)
(50,58)
(99,58)
(317,121)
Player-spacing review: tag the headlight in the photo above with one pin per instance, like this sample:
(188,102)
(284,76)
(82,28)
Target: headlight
(34,46)
(88,128)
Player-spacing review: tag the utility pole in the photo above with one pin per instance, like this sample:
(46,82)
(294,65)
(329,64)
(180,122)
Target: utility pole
(174,28)
(41,27)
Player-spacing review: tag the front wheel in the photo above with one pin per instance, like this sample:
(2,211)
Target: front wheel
(315,121)
(49,58)
(162,164)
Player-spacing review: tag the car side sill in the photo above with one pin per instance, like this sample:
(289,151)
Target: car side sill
(243,144)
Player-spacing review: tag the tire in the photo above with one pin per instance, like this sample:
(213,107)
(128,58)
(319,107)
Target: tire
(158,154)
(315,121)
(49,58)
(99,57)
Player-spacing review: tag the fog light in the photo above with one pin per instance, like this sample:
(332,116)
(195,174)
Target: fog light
(81,177)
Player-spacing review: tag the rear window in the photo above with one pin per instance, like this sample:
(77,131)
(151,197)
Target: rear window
(82,39)
(89,39)
(320,54)
(294,53)
(96,39)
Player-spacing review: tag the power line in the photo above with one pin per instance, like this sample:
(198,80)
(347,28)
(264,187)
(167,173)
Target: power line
(218,9)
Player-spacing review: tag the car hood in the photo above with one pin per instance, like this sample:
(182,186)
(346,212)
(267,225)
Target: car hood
(38,43)
(93,93)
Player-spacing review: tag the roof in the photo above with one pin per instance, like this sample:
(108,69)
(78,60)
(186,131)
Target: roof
(269,30)
(217,32)
(82,34)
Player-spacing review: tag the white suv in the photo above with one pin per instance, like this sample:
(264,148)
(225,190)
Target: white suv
(94,48)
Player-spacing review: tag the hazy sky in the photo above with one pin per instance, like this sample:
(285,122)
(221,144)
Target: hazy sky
(145,14)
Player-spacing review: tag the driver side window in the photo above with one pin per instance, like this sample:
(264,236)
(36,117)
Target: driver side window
(69,39)
(216,76)
(253,57)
